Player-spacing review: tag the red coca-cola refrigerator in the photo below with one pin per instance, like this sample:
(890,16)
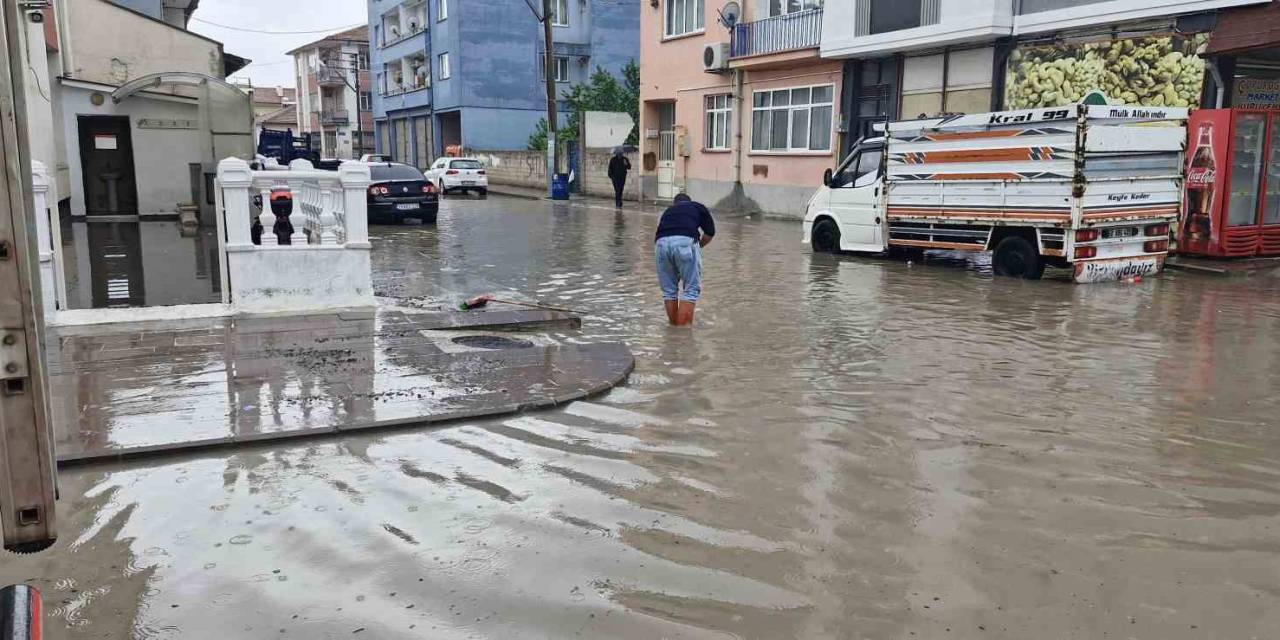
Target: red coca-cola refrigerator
(1232,203)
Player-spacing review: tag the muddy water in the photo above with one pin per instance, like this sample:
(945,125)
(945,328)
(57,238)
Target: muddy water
(842,448)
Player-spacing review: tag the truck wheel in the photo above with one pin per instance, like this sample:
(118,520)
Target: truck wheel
(1017,258)
(826,236)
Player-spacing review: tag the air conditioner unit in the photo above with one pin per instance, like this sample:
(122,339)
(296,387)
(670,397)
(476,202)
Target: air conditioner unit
(715,57)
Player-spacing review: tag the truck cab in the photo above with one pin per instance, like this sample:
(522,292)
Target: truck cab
(846,213)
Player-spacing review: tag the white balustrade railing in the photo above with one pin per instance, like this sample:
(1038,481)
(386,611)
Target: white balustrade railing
(48,242)
(321,203)
(324,264)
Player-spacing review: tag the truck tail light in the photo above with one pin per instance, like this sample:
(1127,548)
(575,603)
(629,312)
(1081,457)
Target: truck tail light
(1087,235)
(1086,252)
(451,172)
(1157,230)
(1156,246)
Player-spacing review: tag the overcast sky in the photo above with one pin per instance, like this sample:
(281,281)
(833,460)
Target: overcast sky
(271,66)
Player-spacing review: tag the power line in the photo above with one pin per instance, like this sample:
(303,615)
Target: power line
(276,33)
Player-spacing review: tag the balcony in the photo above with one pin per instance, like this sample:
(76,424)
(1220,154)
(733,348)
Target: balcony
(327,76)
(334,117)
(788,32)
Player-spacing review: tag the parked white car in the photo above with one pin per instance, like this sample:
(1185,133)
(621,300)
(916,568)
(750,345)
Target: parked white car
(459,175)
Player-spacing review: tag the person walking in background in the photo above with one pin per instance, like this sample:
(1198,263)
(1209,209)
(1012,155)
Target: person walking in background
(619,165)
(685,228)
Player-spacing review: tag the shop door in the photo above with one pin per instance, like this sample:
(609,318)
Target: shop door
(875,97)
(106,162)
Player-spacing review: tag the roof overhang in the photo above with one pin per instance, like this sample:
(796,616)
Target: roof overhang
(184,78)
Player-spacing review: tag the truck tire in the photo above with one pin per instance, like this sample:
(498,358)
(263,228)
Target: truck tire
(1016,257)
(825,236)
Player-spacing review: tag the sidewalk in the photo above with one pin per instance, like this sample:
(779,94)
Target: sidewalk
(541,194)
(144,388)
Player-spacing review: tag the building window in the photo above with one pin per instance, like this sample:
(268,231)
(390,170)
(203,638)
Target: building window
(797,119)
(719,115)
(362,60)
(559,13)
(562,68)
(442,10)
(683,16)
(783,7)
(443,65)
(366,101)
(883,16)
(950,82)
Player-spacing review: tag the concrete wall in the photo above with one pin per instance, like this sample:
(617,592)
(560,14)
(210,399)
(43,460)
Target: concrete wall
(161,156)
(294,284)
(529,169)
(111,46)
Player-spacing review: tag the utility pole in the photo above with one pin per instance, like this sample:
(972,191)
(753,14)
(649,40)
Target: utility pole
(549,64)
(27,472)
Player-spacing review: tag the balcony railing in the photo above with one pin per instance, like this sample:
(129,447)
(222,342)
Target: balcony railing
(329,76)
(335,117)
(799,30)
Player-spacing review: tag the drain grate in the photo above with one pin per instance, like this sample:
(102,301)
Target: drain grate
(492,342)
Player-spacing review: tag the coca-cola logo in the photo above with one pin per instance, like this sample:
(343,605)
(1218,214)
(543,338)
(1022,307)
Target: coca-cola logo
(1200,176)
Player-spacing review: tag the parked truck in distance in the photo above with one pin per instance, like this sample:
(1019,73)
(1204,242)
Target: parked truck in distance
(286,146)
(1092,188)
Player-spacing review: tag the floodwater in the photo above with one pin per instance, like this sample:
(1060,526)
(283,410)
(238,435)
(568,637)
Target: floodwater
(842,447)
(126,262)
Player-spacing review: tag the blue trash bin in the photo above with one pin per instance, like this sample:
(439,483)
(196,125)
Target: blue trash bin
(560,186)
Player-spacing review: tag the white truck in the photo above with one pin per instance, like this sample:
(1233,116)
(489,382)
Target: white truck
(1091,188)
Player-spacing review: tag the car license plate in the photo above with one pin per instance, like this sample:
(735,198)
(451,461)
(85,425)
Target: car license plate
(1118,269)
(468,183)
(407,207)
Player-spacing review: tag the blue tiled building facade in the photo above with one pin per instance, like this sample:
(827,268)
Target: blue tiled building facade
(469,73)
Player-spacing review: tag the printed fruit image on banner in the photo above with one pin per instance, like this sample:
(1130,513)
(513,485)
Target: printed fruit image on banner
(1154,71)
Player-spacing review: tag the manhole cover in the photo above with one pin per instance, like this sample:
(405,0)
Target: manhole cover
(492,342)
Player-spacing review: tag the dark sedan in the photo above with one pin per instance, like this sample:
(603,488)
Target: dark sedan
(400,192)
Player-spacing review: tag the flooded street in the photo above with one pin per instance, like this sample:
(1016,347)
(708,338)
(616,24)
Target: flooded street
(842,447)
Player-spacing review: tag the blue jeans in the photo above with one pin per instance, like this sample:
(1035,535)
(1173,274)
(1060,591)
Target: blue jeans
(679,260)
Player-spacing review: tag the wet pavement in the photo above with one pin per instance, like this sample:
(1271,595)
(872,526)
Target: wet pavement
(842,447)
(160,387)
(125,262)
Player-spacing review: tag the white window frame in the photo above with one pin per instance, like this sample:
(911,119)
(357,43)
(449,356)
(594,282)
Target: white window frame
(562,64)
(366,101)
(791,109)
(718,121)
(805,5)
(674,23)
(442,10)
(442,65)
(559,13)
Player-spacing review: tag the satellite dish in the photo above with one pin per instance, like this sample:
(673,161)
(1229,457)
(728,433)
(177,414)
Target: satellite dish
(729,14)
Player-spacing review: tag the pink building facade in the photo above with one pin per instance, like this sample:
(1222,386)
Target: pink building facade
(742,117)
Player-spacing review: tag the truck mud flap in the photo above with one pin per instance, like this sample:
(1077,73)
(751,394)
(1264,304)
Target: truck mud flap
(1117,269)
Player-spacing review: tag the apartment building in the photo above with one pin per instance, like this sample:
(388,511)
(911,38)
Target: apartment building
(737,111)
(450,74)
(913,58)
(333,93)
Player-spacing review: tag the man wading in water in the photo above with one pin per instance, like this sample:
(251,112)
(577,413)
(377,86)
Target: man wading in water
(686,226)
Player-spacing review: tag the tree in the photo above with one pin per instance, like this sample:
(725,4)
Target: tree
(603,92)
